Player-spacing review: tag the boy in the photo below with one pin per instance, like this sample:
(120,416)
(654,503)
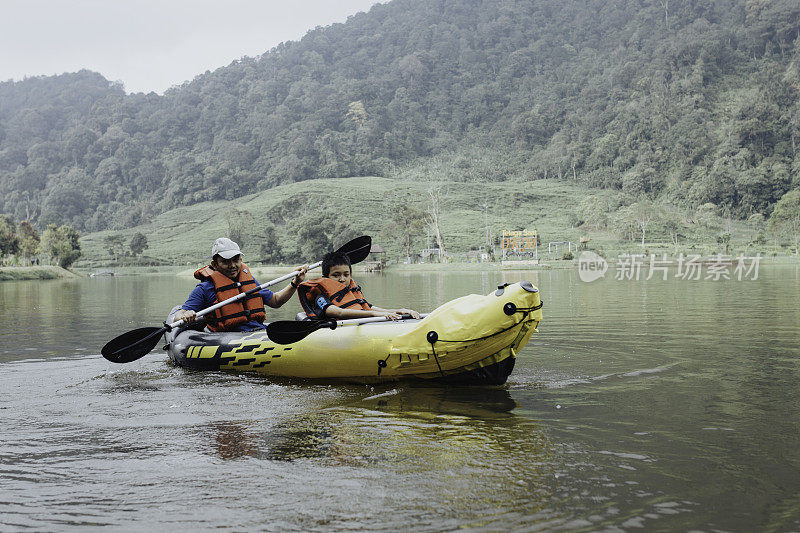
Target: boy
(336,295)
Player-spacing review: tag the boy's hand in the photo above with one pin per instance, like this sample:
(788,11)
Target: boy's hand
(392,315)
(411,312)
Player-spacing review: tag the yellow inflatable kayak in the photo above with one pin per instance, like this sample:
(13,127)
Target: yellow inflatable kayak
(470,340)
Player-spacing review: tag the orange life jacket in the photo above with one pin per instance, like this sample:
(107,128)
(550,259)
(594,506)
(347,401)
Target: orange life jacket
(333,293)
(228,317)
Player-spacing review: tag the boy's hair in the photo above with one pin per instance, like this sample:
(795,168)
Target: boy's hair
(333,259)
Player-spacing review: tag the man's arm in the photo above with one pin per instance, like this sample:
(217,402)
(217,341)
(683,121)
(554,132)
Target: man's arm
(197,301)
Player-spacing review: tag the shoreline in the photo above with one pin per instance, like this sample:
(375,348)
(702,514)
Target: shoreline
(29,273)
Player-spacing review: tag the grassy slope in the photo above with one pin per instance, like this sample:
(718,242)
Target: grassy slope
(34,272)
(184,235)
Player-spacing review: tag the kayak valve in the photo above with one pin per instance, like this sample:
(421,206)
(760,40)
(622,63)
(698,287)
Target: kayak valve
(501,289)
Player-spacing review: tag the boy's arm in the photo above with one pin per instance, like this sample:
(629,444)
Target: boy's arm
(411,312)
(337,313)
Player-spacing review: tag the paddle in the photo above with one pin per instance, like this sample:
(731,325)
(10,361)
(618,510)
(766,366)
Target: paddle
(139,342)
(291,331)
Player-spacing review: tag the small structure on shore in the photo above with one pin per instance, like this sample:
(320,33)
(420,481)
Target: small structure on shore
(552,247)
(521,244)
(376,259)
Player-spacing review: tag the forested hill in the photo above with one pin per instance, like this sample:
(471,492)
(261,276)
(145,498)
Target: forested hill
(694,100)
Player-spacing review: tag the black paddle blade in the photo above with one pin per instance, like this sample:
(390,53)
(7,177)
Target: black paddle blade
(291,331)
(357,249)
(132,345)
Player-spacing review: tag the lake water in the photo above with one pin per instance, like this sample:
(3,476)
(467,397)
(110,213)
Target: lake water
(663,405)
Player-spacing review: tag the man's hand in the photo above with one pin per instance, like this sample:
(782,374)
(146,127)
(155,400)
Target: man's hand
(300,276)
(186,316)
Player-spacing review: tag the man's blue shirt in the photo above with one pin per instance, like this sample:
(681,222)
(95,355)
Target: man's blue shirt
(203,296)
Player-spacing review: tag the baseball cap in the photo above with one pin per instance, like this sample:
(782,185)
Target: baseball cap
(225,247)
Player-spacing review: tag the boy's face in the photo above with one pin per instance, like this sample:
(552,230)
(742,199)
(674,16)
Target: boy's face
(340,273)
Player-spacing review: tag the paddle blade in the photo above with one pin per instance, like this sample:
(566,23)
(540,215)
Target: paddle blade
(132,345)
(291,331)
(357,249)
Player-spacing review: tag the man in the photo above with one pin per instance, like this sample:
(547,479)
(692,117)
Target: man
(226,277)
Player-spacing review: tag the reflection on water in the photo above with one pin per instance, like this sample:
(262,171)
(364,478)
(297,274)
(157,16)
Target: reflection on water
(662,405)
(322,433)
(233,440)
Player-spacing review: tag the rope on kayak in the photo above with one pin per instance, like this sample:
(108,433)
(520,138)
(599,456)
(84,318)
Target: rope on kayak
(432,338)
(509,309)
(382,363)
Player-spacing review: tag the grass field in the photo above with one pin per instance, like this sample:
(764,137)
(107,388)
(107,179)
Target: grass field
(34,272)
(184,236)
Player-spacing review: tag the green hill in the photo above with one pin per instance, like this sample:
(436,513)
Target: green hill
(345,207)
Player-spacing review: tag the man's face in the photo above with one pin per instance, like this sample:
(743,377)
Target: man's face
(229,267)
(340,273)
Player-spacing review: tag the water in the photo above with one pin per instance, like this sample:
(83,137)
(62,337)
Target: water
(664,405)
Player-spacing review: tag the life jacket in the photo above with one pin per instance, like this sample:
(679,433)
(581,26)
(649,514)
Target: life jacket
(334,292)
(234,314)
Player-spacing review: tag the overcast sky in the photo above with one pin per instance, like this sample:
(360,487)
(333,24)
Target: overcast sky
(151,45)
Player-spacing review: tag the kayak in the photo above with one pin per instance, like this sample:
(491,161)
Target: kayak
(470,340)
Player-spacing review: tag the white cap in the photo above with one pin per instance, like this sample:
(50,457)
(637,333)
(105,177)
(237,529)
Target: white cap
(225,247)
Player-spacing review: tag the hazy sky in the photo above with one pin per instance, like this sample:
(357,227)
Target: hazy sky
(150,45)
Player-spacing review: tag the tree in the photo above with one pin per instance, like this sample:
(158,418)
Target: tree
(9,243)
(115,245)
(28,240)
(270,249)
(408,223)
(756,221)
(61,244)
(592,211)
(787,215)
(312,238)
(241,226)
(673,224)
(138,244)
(435,196)
(624,221)
(643,213)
